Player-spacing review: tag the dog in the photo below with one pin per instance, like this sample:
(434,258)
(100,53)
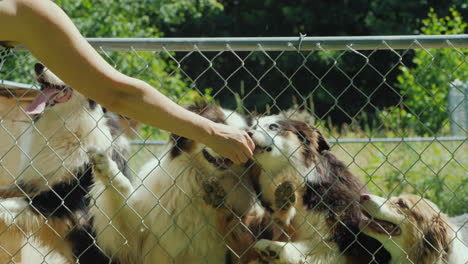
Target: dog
(311,195)
(413,230)
(172,217)
(49,201)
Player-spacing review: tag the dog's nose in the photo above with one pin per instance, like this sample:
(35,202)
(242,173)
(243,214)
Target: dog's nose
(39,68)
(365,197)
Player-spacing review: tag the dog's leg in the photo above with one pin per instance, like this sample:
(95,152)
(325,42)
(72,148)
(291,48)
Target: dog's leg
(277,252)
(106,171)
(114,219)
(19,222)
(285,200)
(12,239)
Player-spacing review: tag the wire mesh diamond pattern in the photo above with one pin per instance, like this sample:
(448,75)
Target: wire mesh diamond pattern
(356,161)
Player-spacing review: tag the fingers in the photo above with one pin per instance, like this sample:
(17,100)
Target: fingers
(239,155)
(250,143)
(238,160)
(234,144)
(246,153)
(248,147)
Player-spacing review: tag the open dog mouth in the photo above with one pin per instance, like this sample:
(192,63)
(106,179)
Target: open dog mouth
(49,95)
(261,149)
(379,226)
(220,163)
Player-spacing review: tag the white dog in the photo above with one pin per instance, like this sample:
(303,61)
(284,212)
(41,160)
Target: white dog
(50,199)
(413,230)
(311,194)
(172,216)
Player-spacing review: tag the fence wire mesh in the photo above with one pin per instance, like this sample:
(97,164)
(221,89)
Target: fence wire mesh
(360,155)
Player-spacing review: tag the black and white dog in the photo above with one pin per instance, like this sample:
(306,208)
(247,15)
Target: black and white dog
(304,186)
(172,217)
(50,200)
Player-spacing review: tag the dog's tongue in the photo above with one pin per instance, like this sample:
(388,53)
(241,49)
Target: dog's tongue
(39,103)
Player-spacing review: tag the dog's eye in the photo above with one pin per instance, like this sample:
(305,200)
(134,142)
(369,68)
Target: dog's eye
(273,127)
(402,204)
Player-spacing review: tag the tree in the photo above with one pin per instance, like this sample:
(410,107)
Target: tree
(425,87)
(340,97)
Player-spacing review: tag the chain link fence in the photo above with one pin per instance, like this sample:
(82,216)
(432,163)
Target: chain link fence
(393,127)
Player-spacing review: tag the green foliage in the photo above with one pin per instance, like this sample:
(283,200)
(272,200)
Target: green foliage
(433,170)
(315,18)
(426,169)
(425,87)
(109,18)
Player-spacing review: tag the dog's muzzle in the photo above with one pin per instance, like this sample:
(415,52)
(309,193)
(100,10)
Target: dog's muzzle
(263,141)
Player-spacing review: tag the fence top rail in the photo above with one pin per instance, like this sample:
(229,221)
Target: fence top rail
(346,140)
(279,43)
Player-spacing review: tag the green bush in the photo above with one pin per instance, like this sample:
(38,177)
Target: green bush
(425,87)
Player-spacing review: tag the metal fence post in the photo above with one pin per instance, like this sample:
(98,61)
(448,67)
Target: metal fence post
(458,108)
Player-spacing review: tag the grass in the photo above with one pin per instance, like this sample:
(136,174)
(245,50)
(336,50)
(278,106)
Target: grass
(433,170)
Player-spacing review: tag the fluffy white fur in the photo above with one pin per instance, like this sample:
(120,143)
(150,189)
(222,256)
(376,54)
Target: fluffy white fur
(280,156)
(424,235)
(60,139)
(165,219)
(54,148)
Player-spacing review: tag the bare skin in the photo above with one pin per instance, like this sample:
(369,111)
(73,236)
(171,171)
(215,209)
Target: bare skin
(53,39)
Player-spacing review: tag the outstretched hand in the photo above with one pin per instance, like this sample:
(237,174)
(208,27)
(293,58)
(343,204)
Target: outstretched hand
(231,143)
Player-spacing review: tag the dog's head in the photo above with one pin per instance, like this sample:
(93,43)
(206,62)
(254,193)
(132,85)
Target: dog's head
(197,153)
(66,123)
(56,96)
(280,142)
(407,226)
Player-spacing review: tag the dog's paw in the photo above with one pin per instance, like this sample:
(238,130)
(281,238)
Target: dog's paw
(269,251)
(100,161)
(285,196)
(214,193)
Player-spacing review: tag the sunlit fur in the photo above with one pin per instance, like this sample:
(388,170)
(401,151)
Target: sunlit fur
(59,139)
(165,219)
(325,216)
(425,236)
(55,149)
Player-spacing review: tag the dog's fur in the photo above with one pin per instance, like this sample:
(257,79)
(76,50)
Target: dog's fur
(50,199)
(413,230)
(172,217)
(323,207)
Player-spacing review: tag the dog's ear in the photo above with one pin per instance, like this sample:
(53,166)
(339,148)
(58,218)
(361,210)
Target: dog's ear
(251,119)
(208,110)
(199,106)
(436,240)
(321,142)
(311,136)
(92,105)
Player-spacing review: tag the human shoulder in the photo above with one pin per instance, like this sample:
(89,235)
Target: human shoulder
(15,16)
(8,19)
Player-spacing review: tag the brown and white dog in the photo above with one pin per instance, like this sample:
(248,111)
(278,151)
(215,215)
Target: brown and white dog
(413,230)
(49,202)
(306,187)
(172,216)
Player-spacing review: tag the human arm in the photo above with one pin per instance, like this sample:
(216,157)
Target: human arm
(53,38)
